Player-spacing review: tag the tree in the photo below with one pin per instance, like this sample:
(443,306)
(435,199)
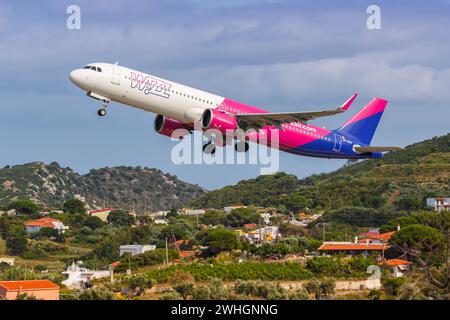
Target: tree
(93,222)
(241,216)
(392,285)
(97,294)
(218,240)
(201,292)
(24,206)
(213,218)
(408,203)
(428,247)
(184,289)
(320,288)
(16,240)
(138,284)
(73,206)
(121,218)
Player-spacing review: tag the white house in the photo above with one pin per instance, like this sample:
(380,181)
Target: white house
(78,275)
(439,204)
(135,249)
(35,226)
(190,212)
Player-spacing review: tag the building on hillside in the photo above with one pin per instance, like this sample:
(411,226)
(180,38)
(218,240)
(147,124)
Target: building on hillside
(102,214)
(231,208)
(77,276)
(40,289)
(8,261)
(375,237)
(192,212)
(352,248)
(250,226)
(398,266)
(439,204)
(36,225)
(159,214)
(135,249)
(161,221)
(267,234)
(8,213)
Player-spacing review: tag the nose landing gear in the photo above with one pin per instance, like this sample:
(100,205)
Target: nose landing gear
(102,112)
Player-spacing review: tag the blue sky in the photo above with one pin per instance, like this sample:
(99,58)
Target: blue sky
(278,55)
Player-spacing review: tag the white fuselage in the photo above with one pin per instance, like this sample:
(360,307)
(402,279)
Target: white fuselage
(110,82)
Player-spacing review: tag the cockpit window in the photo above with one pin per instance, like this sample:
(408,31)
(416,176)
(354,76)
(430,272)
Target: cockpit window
(98,69)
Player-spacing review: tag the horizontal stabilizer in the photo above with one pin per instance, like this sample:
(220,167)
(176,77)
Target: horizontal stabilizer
(375,149)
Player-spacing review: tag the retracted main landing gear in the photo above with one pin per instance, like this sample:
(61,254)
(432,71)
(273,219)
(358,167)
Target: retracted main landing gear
(241,146)
(102,112)
(209,148)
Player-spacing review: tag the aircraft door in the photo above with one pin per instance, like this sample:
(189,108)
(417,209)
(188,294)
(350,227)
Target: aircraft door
(116,75)
(337,143)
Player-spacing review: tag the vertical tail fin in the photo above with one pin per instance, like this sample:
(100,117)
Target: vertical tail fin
(363,125)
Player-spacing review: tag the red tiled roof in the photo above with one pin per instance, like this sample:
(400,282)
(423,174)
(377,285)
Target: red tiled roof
(42,222)
(250,225)
(186,254)
(397,262)
(352,247)
(28,285)
(379,236)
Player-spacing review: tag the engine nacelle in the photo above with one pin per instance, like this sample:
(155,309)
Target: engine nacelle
(215,119)
(166,126)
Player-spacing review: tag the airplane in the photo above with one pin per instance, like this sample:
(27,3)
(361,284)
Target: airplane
(180,107)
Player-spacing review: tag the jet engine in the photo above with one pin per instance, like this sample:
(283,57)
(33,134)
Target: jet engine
(166,126)
(215,119)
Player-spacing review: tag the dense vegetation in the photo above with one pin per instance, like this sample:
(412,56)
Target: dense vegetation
(120,187)
(420,170)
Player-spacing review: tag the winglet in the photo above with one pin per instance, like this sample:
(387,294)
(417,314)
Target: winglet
(347,104)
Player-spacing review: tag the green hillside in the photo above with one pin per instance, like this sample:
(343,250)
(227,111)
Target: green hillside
(51,185)
(421,170)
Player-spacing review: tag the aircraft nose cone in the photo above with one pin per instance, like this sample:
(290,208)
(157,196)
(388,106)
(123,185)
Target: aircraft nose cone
(75,77)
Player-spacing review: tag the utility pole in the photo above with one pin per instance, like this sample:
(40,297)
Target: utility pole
(167,254)
(323,231)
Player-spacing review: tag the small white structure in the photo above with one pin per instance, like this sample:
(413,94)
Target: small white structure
(189,212)
(78,275)
(8,261)
(439,204)
(161,221)
(135,249)
(398,267)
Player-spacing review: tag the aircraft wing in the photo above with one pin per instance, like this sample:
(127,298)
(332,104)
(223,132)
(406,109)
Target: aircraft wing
(376,149)
(260,120)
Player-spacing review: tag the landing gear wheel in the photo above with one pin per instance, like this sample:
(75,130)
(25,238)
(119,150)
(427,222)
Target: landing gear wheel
(102,111)
(209,148)
(241,146)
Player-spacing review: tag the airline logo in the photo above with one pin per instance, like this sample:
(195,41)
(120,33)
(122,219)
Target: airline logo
(150,85)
